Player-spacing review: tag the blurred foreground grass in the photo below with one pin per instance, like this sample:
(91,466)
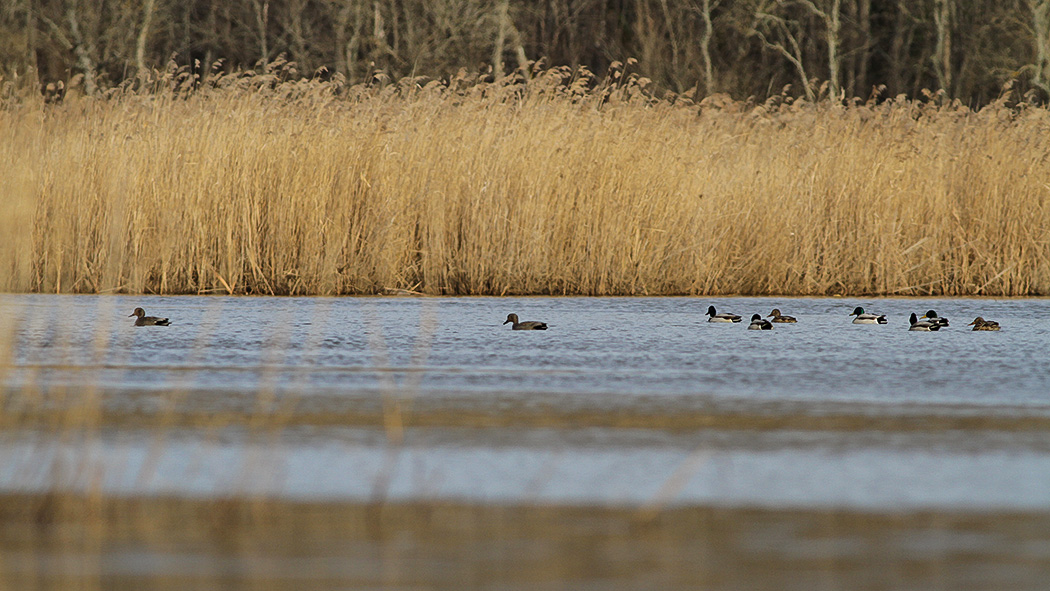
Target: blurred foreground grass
(83,542)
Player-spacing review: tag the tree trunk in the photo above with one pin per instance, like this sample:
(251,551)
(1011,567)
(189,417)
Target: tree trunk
(833,19)
(864,31)
(342,21)
(1041,26)
(262,18)
(82,49)
(140,44)
(296,8)
(501,38)
(942,54)
(672,35)
(705,48)
(787,46)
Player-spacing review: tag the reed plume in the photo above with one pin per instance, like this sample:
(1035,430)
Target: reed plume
(561,184)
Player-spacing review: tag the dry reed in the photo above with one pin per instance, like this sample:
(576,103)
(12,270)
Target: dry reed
(558,185)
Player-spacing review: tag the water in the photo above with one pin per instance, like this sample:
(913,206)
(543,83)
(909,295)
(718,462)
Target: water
(619,348)
(625,404)
(605,407)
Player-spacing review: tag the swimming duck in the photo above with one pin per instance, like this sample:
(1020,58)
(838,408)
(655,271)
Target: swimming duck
(778,317)
(864,318)
(527,325)
(923,325)
(144,320)
(759,323)
(932,317)
(982,324)
(723,317)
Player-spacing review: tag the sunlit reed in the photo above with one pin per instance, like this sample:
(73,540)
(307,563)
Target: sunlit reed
(558,185)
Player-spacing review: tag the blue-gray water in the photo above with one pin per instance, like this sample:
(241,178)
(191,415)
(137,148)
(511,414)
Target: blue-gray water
(652,360)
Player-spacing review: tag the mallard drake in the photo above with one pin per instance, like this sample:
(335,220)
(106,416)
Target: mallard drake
(982,324)
(759,323)
(723,317)
(932,317)
(144,320)
(778,317)
(527,325)
(863,317)
(923,325)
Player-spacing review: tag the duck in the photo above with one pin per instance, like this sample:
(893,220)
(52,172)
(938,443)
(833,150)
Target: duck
(778,317)
(723,317)
(759,323)
(932,317)
(527,325)
(863,317)
(982,324)
(143,320)
(923,325)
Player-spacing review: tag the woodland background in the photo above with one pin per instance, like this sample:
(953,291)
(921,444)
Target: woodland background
(747,48)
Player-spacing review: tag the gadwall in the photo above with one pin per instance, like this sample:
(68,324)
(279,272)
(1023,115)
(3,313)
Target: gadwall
(863,317)
(932,317)
(759,323)
(778,317)
(144,320)
(723,317)
(923,325)
(982,324)
(527,325)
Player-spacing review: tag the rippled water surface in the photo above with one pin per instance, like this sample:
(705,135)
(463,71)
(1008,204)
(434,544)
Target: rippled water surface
(613,348)
(606,406)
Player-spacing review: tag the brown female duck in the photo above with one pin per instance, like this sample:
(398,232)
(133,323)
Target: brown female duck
(982,324)
(778,317)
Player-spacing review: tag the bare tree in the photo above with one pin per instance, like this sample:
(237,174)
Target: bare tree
(501,37)
(829,11)
(864,45)
(742,48)
(943,12)
(507,33)
(290,16)
(140,43)
(704,8)
(262,18)
(1040,11)
(349,31)
(783,36)
(82,46)
(18,26)
(772,18)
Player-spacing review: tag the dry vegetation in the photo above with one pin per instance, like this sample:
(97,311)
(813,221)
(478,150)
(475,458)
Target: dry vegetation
(557,185)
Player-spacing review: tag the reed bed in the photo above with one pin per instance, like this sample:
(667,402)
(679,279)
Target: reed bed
(559,184)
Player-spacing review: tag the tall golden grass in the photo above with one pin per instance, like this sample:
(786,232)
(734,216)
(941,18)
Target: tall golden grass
(556,185)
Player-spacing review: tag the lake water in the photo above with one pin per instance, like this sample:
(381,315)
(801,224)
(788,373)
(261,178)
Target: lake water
(619,391)
(632,404)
